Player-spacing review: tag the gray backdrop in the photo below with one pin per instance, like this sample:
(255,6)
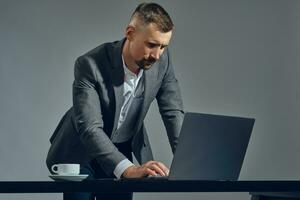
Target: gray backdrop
(231,57)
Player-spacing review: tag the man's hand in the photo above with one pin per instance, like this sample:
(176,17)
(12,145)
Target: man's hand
(151,168)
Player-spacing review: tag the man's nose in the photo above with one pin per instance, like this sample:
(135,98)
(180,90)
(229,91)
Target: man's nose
(156,53)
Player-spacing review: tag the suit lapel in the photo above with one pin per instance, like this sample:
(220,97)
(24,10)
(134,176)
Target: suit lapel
(150,78)
(117,80)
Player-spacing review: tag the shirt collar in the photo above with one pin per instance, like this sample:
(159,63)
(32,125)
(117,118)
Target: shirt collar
(129,73)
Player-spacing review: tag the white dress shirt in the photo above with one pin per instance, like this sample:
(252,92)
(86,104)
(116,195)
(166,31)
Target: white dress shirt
(131,81)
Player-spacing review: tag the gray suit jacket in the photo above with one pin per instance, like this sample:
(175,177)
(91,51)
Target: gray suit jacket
(88,130)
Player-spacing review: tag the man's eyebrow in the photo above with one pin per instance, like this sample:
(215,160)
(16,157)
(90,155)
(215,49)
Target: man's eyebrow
(158,44)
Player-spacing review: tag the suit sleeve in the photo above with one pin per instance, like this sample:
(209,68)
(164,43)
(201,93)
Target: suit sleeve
(170,104)
(88,117)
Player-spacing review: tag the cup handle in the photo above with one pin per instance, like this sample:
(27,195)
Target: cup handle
(54,169)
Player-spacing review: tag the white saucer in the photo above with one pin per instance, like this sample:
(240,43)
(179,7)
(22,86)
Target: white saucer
(79,177)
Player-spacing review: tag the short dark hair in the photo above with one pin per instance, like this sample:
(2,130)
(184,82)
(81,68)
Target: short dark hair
(154,13)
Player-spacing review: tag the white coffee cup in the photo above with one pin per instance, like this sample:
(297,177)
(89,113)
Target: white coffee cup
(66,169)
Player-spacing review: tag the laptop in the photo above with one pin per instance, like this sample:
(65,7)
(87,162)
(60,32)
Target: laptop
(211,147)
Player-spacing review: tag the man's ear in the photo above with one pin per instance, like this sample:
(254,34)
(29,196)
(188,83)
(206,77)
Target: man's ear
(130,32)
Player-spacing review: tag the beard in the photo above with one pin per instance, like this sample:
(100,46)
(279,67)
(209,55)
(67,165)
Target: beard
(145,63)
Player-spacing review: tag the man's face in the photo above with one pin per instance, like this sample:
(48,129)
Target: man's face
(147,44)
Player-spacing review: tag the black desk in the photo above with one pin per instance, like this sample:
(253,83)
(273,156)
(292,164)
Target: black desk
(258,189)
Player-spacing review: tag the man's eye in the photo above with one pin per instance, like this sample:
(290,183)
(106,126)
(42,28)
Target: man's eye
(151,45)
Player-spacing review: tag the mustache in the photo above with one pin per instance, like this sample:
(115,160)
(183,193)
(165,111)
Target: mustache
(150,60)
(146,63)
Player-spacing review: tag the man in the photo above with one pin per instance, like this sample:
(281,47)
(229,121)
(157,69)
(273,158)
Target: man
(114,86)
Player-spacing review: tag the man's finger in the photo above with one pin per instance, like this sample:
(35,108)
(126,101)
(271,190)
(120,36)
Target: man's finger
(149,172)
(163,167)
(157,169)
